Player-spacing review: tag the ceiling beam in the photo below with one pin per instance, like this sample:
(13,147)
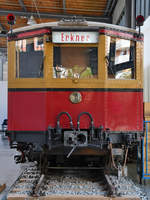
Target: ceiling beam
(22,5)
(3,35)
(3,28)
(113,4)
(55,16)
(107,7)
(130,13)
(118,11)
(64,6)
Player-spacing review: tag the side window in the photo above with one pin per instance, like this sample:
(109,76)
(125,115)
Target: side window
(30,58)
(121,58)
(75,62)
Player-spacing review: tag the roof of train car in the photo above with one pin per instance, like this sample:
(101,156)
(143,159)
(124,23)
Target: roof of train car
(88,24)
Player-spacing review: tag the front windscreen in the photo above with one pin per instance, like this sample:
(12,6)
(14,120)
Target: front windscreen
(75,62)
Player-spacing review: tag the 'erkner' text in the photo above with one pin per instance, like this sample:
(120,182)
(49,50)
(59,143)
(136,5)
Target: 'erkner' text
(75,37)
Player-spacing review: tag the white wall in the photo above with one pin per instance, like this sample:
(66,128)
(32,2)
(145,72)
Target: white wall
(146,30)
(3,101)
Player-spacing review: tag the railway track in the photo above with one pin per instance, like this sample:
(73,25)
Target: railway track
(68,184)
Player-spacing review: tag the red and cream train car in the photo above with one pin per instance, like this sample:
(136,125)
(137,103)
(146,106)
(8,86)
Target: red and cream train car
(74,87)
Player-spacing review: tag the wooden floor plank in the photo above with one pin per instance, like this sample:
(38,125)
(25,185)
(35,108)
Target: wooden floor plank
(69,197)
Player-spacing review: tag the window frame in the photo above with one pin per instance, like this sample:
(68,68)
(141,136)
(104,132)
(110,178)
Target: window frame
(134,61)
(49,82)
(78,45)
(17,66)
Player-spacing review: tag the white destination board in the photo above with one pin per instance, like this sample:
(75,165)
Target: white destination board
(75,37)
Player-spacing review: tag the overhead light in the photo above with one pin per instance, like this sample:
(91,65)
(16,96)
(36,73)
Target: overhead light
(31,21)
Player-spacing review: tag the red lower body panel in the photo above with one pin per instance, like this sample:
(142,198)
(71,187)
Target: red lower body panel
(35,110)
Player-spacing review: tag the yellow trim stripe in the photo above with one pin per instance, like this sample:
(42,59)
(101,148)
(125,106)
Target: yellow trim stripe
(49,82)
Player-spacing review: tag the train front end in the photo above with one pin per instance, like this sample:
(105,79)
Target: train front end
(75,91)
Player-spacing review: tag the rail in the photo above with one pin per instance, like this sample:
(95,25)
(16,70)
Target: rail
(73,184)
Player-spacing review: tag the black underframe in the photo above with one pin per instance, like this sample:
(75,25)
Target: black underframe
(42,137)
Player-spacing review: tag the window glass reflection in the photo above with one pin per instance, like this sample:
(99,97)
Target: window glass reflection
(75,62)
(120,58)
(30,58)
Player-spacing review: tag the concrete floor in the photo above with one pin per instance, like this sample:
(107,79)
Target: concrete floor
(9,171)
(132,173)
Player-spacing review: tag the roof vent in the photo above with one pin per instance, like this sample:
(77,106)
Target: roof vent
(73,21)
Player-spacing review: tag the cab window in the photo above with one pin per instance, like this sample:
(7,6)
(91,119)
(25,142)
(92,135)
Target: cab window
(29,58)
(75,62)
(120,58)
